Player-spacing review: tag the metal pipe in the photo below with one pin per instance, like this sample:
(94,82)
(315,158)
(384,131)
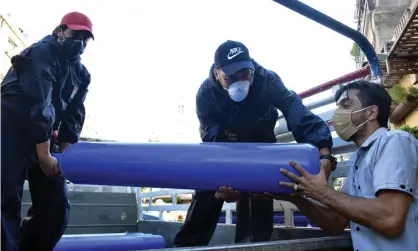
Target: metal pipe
(281,128)
(362,72)
(314,105)
(320,103)
(339,27)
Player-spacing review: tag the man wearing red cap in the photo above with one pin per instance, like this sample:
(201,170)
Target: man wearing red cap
(43,92)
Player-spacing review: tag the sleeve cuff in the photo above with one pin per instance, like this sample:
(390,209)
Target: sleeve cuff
(42,138)
(324,144)
(395,186)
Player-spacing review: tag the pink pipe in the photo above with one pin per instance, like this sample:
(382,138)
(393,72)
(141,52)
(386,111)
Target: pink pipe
(362,72)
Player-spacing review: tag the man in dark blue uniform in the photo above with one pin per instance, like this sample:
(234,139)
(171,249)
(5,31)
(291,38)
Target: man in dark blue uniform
(43,91)
(238,103)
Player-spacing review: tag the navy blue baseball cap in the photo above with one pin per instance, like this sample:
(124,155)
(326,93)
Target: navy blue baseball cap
(233,56)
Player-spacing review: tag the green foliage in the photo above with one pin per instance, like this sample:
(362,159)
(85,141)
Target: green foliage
(355,53)
(411,130)
(397,93)
(412,94)
(145,189)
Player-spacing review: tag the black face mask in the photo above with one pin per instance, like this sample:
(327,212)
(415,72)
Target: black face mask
(72,47)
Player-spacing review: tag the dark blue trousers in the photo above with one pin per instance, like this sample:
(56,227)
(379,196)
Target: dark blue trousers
(47,218)
(254,220)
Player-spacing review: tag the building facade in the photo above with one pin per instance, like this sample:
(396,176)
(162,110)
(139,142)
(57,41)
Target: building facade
(181,125)
(12,42)
(390,26)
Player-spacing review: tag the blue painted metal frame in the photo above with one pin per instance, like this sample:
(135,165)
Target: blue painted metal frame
(339,27)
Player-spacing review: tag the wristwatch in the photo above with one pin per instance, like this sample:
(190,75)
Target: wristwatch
(330,158)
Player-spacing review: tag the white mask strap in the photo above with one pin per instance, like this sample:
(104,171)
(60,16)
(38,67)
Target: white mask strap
(362,109)
(362,124)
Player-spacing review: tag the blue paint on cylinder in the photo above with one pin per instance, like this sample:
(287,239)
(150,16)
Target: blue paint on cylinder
(110,242)
(248,167)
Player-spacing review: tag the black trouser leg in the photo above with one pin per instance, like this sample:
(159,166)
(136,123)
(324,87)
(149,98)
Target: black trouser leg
(243,228)
(47,218)
(254,219)
(262,218)
(13,170)
(201,220)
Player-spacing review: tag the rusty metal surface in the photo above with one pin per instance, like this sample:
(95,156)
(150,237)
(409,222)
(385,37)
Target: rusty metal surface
(323,243)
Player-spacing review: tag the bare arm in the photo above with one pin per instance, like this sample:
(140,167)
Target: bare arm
(321,215)
(386,214)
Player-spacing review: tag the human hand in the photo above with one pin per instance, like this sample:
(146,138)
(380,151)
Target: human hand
(326,167)
(49,165)
(228,194)
(313,186)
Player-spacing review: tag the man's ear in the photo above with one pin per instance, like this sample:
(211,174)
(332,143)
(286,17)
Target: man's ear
(216,73)
(373,112)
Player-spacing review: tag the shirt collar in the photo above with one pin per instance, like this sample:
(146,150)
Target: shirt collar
(372,138)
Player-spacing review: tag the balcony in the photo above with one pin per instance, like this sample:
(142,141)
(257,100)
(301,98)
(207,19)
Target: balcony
(403,54)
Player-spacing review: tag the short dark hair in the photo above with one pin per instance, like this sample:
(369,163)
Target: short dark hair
(62,27)
(370,94)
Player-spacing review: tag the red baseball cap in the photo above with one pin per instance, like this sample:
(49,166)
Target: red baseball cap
(77,21)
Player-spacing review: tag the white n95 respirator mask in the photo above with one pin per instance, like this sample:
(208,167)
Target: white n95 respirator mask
(238,91)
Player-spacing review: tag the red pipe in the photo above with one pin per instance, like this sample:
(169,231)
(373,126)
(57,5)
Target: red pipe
(362,72)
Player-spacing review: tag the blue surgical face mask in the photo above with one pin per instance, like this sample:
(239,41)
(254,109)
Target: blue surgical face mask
(238,91)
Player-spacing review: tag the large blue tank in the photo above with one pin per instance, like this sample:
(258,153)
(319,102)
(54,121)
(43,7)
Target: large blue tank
(248,167)
(110,242)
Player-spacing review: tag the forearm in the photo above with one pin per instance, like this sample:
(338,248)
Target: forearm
(327,168)
(327,219)
(42,149)
(370,213)
(325,151)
